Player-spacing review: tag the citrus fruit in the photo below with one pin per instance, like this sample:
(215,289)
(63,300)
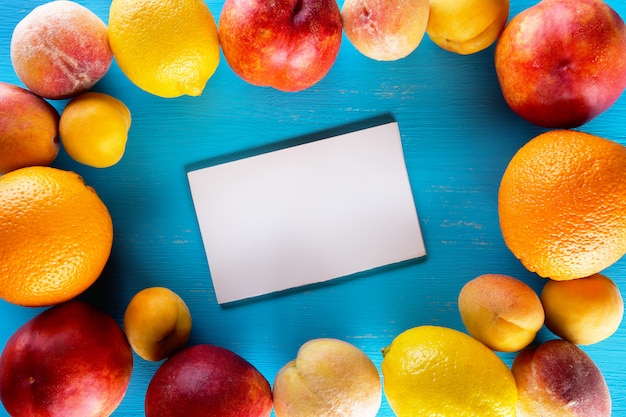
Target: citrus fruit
(55,236)
(562,204)
(94,129)
(168,48)
(583,311)
(439,371)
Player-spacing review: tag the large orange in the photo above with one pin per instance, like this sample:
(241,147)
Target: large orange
(562,204)
(55,236)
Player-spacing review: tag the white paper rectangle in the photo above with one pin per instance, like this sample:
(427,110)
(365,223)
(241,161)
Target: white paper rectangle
(307,213)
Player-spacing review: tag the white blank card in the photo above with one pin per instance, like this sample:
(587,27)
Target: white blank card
(307,213)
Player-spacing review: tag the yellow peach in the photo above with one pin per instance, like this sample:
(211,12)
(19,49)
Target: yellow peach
(157,323)
(583,311)
(28,129)
(466,26)
(94,129)
(501,311)
(329,377)
(385,30)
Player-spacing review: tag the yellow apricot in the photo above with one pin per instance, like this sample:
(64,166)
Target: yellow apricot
(583,311)
(502,312)
(157,323)
(94,129)
(467,26)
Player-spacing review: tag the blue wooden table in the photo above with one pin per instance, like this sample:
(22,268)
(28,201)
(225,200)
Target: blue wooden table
(458,136)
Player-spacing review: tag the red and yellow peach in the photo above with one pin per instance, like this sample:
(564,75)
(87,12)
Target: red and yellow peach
(28,129)
(60,49)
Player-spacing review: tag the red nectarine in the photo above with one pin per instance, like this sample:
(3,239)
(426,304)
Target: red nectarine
(207,380)
(286,44)
(561,63)
(72,359)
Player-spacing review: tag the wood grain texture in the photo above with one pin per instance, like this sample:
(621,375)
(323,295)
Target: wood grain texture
(458,136)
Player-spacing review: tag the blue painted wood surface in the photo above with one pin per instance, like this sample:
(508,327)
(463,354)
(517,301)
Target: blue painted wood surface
(458,136)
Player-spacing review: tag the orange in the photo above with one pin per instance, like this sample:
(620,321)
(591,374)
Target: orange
(562,204)
(55,236)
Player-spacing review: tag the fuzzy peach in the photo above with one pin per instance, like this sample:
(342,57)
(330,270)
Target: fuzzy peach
(501,311)
(558,379)
(328,377)
(60,49)
(467,26)
(28,129)
(583,311)
(385,30)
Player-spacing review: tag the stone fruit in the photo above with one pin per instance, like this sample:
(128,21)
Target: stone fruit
(466,26)
(558,379)
(205,380)
(286,44)
(157,323)
(560,63)
(56,236)
(385,30)
(562,204)
(70,360)
(94,129)
(438,371)
(60,49)
(583,311)
(28,129)
(329,377)
(501,311)
(168,48)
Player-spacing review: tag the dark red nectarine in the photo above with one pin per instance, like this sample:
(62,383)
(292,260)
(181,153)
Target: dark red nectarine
(70,360)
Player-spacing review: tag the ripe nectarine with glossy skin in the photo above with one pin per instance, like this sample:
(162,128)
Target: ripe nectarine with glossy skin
(70,360)
(558,379)
(60,49)
(561,63)
(289,45)
(207,380)
(29,128)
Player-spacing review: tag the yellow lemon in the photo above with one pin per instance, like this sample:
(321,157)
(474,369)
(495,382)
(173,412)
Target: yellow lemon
(168,48)
(437,371)
(94,129)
